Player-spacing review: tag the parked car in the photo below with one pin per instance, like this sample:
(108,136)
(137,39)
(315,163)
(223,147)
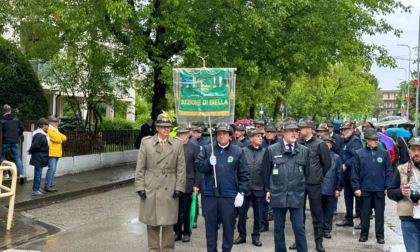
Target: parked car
(390,118)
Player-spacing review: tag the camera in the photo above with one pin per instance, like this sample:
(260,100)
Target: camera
(415,192)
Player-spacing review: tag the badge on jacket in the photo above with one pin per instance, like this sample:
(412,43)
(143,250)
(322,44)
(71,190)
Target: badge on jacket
(379,159)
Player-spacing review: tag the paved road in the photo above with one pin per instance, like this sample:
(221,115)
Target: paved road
(108,222)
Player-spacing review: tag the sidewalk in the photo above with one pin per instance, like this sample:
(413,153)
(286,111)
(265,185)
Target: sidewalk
(69,187)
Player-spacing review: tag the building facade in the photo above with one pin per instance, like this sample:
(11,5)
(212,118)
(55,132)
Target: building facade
(389,98)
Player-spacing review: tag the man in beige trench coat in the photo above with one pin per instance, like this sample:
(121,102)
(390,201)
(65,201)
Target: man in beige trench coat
(160,181)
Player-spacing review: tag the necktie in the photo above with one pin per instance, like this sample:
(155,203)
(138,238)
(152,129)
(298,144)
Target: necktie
(289,147)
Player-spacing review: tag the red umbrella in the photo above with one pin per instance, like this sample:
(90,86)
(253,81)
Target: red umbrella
(243,121)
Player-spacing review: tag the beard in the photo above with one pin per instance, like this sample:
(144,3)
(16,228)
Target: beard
(416,161)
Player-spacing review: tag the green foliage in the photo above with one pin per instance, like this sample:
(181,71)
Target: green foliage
(116,124)
(343,89)
(20,87)
(272,43)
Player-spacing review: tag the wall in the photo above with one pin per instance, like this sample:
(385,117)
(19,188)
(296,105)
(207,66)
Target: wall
(76,164)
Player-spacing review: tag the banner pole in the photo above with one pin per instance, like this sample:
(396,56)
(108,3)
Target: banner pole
(212,153)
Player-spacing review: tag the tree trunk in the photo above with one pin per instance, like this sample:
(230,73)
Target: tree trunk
(277,106)
(252,111)
(159,102)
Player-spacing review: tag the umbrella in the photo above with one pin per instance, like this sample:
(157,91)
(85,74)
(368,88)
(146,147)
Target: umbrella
(387,141)
(192,211)
(400,132)
(243,121)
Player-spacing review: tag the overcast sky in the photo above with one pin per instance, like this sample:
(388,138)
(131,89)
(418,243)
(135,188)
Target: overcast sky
(409,24)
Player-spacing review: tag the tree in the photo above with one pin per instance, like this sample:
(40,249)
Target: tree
(343,89)
(271,42)
(20,87)
(82,57)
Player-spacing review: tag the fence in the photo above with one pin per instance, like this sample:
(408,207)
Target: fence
(87,142)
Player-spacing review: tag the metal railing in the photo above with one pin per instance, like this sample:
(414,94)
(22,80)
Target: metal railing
(87,142)
(10,191)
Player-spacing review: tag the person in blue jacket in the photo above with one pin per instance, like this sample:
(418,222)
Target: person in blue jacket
(351,143)
(240,132)
(331,187)
(221,198)
(370,178)
(39,154)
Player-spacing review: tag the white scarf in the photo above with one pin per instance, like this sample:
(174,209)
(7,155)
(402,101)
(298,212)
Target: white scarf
(40,131)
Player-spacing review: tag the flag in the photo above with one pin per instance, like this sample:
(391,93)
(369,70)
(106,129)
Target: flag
(201,93)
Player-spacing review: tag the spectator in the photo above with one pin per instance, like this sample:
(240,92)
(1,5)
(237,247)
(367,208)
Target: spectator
(55,152)
(11,129)
(39,151)
(145,130)
(400,191)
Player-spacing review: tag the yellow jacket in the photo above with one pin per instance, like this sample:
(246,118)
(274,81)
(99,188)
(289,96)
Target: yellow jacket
(56,139)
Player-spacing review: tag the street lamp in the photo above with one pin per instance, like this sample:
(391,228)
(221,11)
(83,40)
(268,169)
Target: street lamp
(402,89)
(409,78)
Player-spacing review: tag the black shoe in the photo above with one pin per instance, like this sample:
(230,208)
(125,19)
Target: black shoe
(21,179)
(270,217)
(195,224)
(186,238)
(264,228)
(256,242)
(380,241)
(344,223)
(319,247)
(358,226)
(49,189)
(293,246)
(239,240)
(177,237)
(355,216)
(363,239)
(327,235)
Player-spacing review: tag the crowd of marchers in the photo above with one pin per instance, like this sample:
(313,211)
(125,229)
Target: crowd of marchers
(275,168)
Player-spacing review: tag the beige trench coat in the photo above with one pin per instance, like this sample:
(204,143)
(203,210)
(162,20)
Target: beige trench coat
(160,171)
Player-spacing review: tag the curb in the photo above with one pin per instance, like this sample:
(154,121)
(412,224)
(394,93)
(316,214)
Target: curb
(59,197)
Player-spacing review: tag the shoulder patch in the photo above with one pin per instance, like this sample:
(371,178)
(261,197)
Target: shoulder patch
(146,137)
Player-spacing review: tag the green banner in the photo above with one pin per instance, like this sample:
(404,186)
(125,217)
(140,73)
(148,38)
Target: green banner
(204,91)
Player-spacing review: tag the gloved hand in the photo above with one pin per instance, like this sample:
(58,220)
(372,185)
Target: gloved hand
(239,200)
(142,194)
(177,194)
(213,160)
